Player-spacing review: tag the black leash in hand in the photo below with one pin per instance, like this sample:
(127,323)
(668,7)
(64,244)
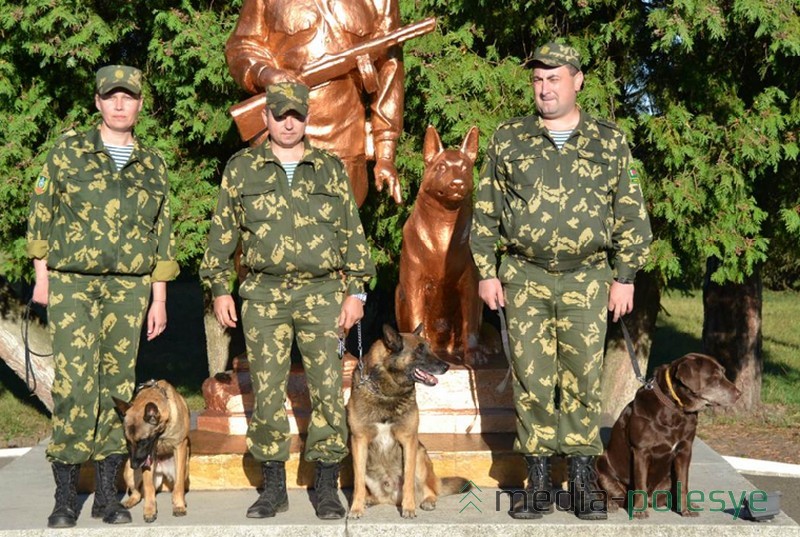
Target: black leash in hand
(30,376)
(631,352)
(506,350)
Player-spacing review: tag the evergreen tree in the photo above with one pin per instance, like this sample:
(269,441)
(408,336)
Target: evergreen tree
(706,90)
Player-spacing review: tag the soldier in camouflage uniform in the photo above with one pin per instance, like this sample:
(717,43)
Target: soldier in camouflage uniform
(100,236)
(291,206)
(559,192)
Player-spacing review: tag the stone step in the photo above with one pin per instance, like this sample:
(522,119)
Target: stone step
(465,400)
(221,461)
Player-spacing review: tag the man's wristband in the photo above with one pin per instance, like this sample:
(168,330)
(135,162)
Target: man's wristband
(361,296)
(623,280)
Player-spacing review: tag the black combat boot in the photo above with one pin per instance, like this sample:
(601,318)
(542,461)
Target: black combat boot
(106,505)
(326,483)
(65,513)
(273,498)
(588,501)
(538,499)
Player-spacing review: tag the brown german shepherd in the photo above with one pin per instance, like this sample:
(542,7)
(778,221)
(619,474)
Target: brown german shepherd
(384,420)
(156,424)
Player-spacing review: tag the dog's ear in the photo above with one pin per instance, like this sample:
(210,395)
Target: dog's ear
(687,372)
(470,144)
(392,339)
(121,406)
(432,145)
(418,330)
(151,414)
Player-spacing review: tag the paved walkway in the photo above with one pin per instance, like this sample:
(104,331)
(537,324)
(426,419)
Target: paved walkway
(26,499)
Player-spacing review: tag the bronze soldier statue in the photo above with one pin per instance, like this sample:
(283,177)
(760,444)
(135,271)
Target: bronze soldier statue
(356,113)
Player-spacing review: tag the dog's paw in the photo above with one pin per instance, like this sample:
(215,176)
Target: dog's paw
(612,506)
(409,513)
(690,513)
(179,511)
(131,501)
(355,514)
(641,515)
(150,517)
(428,504)
(356,510)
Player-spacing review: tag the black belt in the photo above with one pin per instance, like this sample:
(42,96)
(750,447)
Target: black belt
(563,265)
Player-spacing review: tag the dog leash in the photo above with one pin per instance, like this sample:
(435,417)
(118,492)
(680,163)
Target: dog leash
(30,376)
(632,353)
(362,379)
(506,350)
(647,384)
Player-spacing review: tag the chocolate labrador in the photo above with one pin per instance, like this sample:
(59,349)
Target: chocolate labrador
(651,443)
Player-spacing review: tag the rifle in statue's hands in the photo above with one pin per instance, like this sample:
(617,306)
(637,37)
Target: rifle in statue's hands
(248,114)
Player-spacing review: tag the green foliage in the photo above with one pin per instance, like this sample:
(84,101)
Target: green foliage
(724,120)
(705,90)
(49,54)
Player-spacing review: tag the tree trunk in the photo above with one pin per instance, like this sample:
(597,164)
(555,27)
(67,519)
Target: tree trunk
(222,344)
(12,346)
(218,341)
(732,332)
(619,383)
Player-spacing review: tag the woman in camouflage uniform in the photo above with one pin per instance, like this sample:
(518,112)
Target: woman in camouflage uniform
(100,236)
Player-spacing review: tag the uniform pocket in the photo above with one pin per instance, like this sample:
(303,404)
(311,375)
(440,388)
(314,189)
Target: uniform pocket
(323,235)
(148,206)
(596,179)
(259,204)
(523,199)
(324,207)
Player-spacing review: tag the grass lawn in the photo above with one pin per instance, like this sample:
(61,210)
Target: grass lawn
(680,327)
(179,357)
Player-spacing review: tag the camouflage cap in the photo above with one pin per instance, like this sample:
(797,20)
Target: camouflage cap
(556,55)
(112,77)
(285,96)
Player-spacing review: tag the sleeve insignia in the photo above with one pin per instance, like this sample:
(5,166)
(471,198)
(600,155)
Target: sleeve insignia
(633,173)
(41,184)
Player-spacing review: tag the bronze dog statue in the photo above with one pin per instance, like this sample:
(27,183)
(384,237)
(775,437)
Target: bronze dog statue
(438,284)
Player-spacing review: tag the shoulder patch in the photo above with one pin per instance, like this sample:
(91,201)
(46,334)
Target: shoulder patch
(633,174)
(41,184)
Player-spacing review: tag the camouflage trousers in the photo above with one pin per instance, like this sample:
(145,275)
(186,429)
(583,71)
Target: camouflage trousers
(307,311)
(557,327)
(95,323)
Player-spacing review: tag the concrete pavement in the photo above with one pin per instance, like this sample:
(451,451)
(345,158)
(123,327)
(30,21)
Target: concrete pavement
(26,499)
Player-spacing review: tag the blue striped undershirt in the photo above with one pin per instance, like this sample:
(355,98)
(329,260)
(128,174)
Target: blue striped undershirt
(120,154)
(289,168)
(561,137)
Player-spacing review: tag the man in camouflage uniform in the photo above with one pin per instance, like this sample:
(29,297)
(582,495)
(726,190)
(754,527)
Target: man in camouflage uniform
(291,206)
(559,191)
(100,236)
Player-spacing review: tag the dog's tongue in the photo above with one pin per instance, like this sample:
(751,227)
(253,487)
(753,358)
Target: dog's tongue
(425,378)
(148,462)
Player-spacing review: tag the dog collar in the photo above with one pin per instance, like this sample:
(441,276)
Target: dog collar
(152,383)
(672,390)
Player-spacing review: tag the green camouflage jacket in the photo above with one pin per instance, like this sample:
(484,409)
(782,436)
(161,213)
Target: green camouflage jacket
(86,217)
(307,231)
(560,209)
